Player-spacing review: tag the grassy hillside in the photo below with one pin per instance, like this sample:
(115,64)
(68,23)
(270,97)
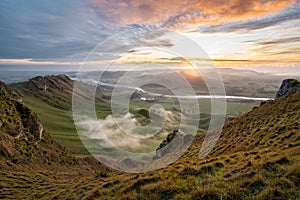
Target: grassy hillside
(53,106)
(50,97)
(257,157)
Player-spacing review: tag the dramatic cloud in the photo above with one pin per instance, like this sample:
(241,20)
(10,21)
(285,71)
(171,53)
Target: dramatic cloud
(60,32)
(289,14)
(176,13)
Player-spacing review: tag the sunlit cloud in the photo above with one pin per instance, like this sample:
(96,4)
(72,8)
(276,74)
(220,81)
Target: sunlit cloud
(174,13)
(289,14)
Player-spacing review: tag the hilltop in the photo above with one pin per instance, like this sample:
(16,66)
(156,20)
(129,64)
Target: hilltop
(55,90)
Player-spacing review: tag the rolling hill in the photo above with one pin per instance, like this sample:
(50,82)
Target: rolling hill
(51,98)
(256,157)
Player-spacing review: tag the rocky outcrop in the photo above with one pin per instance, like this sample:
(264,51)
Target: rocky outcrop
(17,119)
(288,86)
(30,121)
(22,136)
(169,144)
(170,137)
(174,143)
(21,131)
(14,94)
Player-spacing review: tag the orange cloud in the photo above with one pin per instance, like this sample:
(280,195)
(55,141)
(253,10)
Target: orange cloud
(174,13)
(135,11)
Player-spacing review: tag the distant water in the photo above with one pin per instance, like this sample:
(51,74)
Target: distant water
(9,77)
(180,97)
(223,97)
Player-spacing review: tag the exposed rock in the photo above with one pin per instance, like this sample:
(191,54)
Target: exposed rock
(14,94)
(30,121)
(22,137)
(17,119)
(168,140)
(167,146)
(288,86)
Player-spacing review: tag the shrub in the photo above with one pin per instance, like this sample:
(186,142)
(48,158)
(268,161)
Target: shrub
(102,174)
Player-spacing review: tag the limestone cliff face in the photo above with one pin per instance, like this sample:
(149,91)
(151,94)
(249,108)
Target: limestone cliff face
(288,86)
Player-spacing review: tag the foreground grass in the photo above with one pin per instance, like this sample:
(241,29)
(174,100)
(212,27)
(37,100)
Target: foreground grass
(248,175)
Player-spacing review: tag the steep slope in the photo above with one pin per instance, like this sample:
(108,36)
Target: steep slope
(22,137)
(256,157)
(274,125)
(25,145)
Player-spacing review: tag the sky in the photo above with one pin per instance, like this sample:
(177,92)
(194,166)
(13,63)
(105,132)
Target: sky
(231,32)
